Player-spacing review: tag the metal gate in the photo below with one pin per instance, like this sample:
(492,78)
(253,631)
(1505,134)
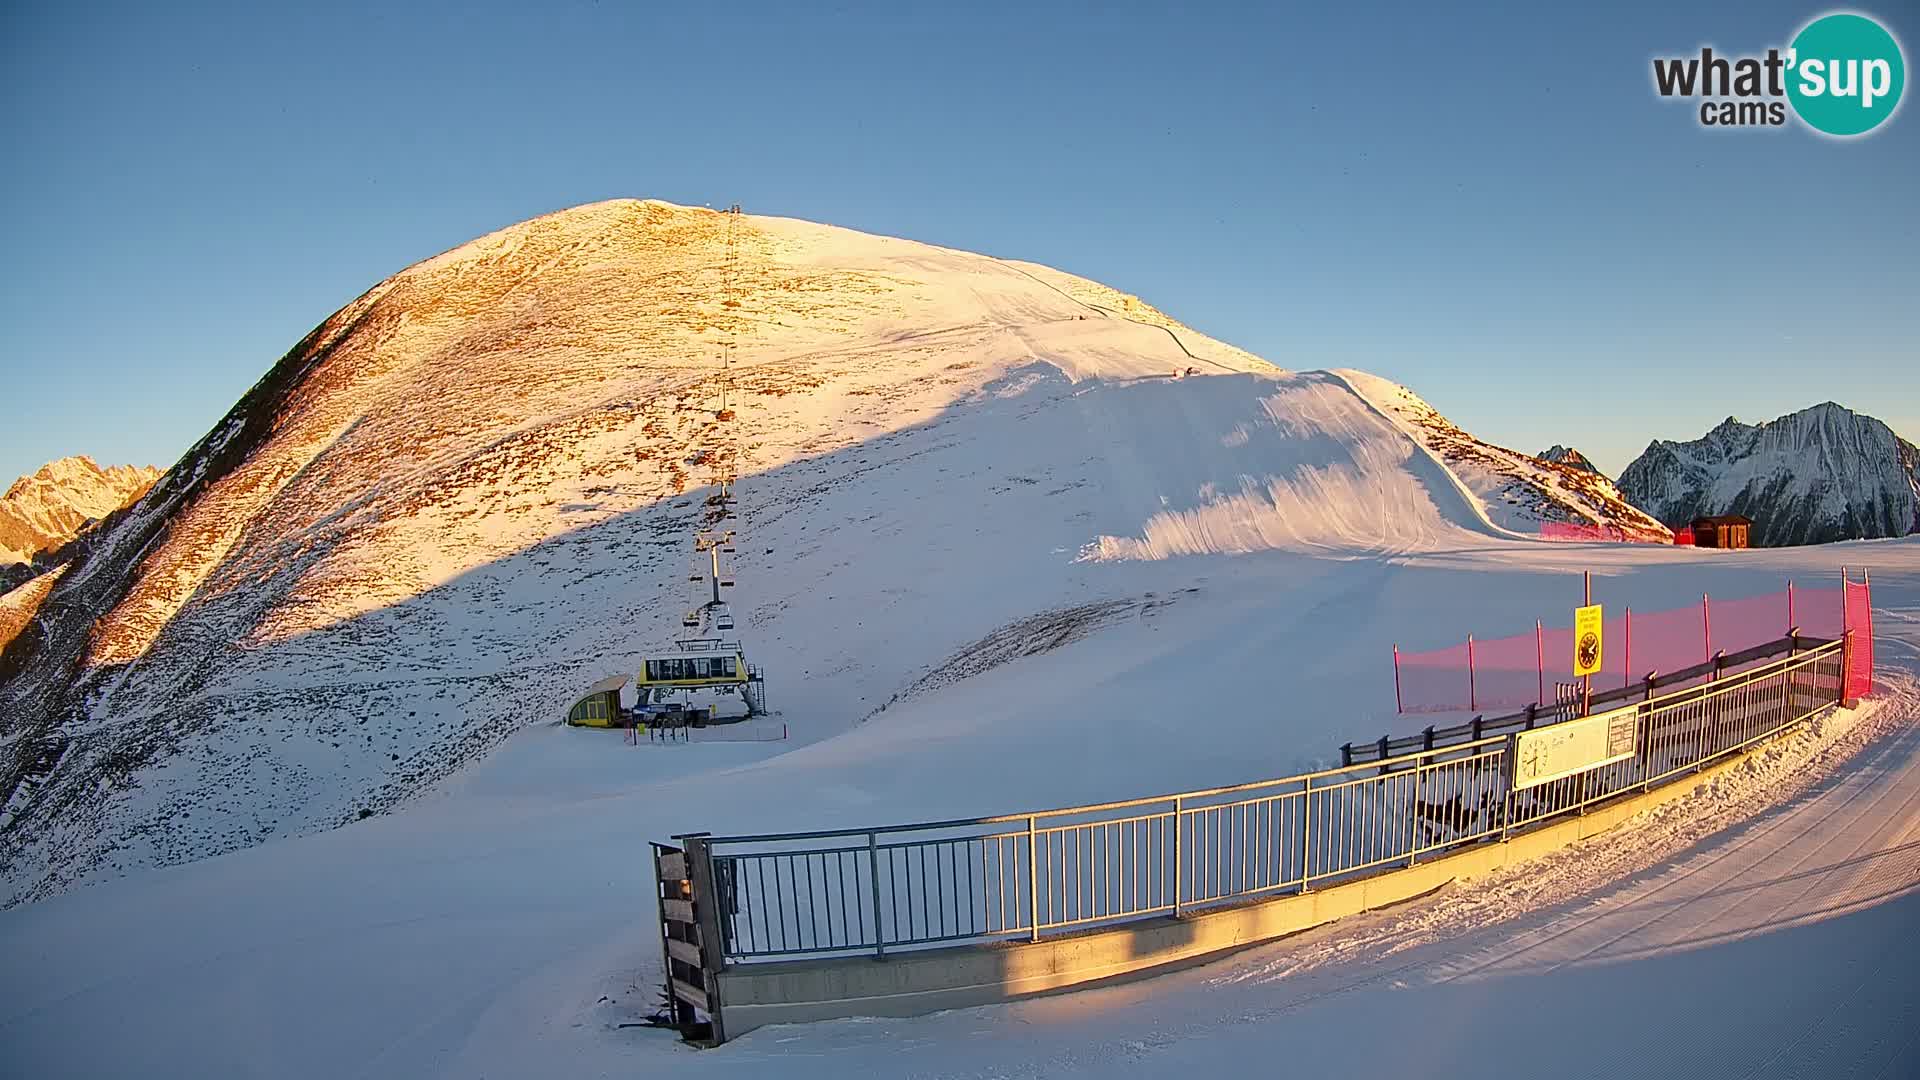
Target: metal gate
(691,950)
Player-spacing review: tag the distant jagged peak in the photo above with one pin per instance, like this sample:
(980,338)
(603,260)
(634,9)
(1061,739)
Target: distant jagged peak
(1825,412)
(57,471)
(1571,458)
(79,477)
(48,507)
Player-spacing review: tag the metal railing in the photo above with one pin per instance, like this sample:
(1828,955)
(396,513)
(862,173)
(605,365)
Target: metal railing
(1021,876)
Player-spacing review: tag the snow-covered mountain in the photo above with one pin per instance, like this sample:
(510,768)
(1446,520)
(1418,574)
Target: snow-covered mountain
(1821,474)
(470,494)
(1568,456)
(1513,491)
(46,509)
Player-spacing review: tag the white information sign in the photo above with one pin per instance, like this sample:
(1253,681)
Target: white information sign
(1561,750)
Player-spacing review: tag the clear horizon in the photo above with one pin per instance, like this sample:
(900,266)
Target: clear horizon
(1499,213)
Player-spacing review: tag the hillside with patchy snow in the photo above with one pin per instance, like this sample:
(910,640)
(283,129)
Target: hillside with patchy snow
(1822,474)
(470,494)
(1512,490)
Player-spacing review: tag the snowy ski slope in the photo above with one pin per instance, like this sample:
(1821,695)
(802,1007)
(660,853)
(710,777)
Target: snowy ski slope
(489,928)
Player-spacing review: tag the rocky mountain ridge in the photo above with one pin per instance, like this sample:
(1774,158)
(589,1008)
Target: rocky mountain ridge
(1822,474)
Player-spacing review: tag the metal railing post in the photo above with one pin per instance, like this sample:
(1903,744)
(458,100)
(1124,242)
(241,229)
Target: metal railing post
(1846,661)
(1178,857)
(1413,797)
(1506,781)
(1033,882)
(1306,834)
(873,880)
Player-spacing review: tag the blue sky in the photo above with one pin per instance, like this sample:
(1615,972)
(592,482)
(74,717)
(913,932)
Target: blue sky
(1494,209)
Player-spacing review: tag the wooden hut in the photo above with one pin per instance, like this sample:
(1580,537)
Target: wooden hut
(1721,531)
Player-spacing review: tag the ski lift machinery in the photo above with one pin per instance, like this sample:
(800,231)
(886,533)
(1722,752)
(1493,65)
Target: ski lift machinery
(711,658)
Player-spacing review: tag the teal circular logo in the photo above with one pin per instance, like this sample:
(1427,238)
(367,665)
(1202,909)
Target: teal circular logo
(1845,74)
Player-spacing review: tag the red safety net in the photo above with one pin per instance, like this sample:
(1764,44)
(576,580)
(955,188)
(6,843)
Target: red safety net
(1507,671)
(1433,676)
(1674,639)
(1683,536)
(1859,619)
(1521,669)
(1581,532)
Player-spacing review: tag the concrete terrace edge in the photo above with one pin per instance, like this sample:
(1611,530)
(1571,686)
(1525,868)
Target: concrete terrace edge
(925,981)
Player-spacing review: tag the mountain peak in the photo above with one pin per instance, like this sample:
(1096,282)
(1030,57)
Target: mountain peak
(1568,456)
(541,408)
(474,491)
(1822,473)
(48,507)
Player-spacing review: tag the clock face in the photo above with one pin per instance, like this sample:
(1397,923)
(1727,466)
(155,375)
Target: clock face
(1589,649)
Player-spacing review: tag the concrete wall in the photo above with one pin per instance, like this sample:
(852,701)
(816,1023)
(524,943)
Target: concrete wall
(912,983)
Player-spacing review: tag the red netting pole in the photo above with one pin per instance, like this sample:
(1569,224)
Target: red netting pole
(1540,661)
(1706,626)
(1398,706)
(1473,697)
(1846,625)
(1626,662)
(1789,605)
(1866,587)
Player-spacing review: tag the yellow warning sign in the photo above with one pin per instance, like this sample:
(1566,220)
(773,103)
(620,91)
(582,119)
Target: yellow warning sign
(1587,633)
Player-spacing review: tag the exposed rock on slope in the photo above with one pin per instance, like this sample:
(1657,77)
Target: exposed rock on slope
(1515,491)
(1821,474)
